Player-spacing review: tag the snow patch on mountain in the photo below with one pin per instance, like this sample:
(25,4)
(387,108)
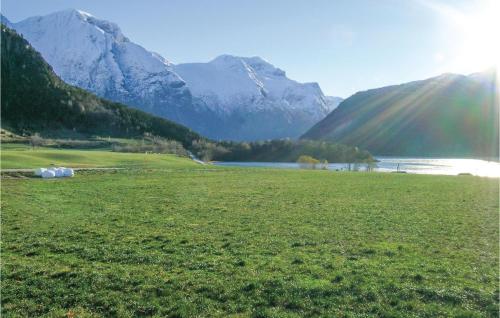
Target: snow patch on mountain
(95,55)
(333,102)
(229,83)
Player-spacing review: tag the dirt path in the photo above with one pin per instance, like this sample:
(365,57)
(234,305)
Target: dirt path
(75,169)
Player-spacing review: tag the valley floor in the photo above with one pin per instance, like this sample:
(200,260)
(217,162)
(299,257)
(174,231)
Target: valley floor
(181,240)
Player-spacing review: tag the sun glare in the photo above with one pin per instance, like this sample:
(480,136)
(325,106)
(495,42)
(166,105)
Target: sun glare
(475,31)
(479,30)
(481,46)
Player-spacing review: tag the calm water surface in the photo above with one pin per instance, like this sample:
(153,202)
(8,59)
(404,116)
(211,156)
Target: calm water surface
(475,167)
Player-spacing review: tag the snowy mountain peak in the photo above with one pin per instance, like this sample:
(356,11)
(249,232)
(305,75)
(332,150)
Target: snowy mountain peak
(74,16)
(255,62)
(256,95)
(231,82)
(227,59)
(94,54)
(230,97)
(80,14)
(105,26)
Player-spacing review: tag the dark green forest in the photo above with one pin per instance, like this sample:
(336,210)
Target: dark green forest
(34,99)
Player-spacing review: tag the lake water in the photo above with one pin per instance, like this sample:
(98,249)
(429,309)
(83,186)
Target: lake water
(475,167)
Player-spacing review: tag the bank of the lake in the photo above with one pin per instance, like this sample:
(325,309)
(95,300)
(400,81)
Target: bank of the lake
(435,166)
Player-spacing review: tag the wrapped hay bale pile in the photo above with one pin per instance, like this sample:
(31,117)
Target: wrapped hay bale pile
(48,174)
(60,172)
(68,172)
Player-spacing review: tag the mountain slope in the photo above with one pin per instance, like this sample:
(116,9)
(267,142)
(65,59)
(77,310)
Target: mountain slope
(5,21)
(94,54)
(448,115)
(253,98)
(232,79)
(333,102)
(35,99)
(228,98)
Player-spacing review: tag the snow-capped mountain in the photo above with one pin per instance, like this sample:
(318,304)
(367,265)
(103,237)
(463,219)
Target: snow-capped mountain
(257,95)
(94,54)
(229,82)
(332,102)
(228,98)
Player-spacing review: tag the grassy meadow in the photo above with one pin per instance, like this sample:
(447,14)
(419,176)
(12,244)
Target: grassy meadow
(177,239)
(18,156)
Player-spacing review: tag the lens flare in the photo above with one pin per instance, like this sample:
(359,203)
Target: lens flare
(476,30)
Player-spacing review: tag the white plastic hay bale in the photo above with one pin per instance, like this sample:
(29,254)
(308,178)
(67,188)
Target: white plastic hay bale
(39,171)
(59,172)
(52,169)
(68,172)
(47,174)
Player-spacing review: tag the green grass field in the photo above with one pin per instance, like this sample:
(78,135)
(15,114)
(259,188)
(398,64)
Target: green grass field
(181,240)
(22,156)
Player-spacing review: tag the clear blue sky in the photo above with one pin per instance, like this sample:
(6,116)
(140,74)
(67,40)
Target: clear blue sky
(344,45)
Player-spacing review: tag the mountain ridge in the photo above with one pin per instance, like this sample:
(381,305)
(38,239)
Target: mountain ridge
(446,115)
(95,55)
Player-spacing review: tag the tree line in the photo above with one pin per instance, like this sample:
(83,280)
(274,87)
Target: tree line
(279,150)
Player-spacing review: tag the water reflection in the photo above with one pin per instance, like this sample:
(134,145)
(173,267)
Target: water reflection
(475,167)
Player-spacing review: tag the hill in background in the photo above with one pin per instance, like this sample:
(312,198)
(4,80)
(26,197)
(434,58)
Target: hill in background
(448,115)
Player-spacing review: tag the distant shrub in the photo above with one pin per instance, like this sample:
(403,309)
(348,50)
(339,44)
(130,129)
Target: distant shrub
(36,140)
(308,162)
(78,143)
(153,145)
(207,150)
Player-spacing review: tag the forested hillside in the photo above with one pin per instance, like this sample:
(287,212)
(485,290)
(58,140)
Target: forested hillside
(34,99)
(448,115)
